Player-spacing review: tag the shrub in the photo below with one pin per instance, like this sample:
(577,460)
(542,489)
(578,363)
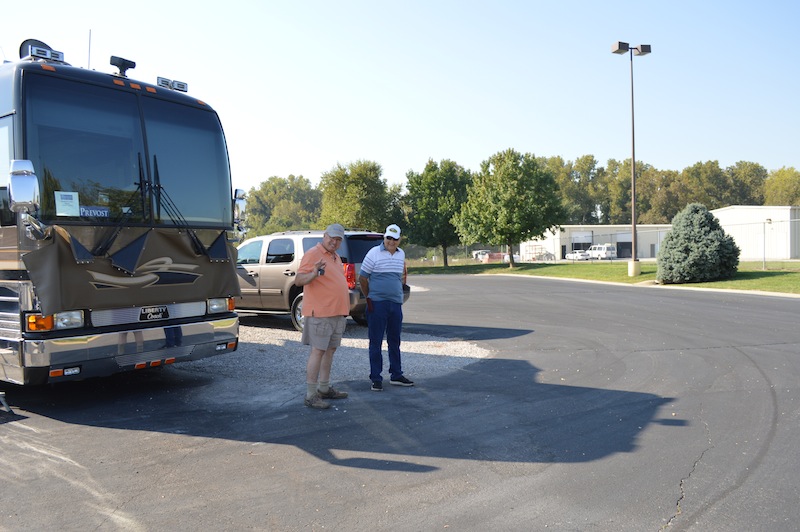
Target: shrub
(697,249)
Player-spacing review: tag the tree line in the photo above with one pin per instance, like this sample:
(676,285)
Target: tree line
(512,198)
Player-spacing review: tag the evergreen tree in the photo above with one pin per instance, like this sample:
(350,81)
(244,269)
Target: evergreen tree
(696,249)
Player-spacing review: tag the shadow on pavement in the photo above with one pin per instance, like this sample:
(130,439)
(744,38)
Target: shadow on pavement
(458,332)
(463,332)
(490,410)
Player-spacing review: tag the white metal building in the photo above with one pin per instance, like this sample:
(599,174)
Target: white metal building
(761,232)
(569,237)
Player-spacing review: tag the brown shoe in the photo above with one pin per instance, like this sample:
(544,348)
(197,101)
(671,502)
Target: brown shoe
(316,402)
(332,394)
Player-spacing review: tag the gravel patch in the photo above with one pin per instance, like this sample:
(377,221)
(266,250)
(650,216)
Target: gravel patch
(270,363)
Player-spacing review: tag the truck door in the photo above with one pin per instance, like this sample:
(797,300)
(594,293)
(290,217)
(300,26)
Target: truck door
(247,270)
(277,273)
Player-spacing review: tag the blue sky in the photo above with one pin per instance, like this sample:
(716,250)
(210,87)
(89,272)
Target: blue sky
(303,85)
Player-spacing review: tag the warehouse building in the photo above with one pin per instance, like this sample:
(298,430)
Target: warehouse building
(761,232)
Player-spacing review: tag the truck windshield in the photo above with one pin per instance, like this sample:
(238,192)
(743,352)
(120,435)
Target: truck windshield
(87,146)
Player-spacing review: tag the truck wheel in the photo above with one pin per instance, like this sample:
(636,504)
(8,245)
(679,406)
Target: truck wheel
(296,312)
(361,319)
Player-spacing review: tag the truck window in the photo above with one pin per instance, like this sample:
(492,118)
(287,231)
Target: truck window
(358,245)
(310,242)
(280,250)
(250,253)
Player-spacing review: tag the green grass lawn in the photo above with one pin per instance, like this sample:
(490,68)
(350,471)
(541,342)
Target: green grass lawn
(750,276)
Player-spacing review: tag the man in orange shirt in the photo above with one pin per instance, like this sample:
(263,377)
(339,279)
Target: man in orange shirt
(326,304)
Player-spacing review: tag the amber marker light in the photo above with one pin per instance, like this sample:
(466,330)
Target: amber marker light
(39,323)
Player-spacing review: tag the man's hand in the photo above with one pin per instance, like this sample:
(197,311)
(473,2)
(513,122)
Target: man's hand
(369,304)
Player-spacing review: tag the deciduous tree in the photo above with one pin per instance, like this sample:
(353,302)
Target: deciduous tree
(434,197)
(657,202)
(704,183)
(782,187)
(747,181)
(280,204)
(356,196)
(577,184)
(514,198)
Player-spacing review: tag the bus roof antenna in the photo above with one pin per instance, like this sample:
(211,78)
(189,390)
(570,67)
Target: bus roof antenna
(122,64)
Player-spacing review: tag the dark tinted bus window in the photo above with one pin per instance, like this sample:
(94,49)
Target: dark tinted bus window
(187,148)
(85,143)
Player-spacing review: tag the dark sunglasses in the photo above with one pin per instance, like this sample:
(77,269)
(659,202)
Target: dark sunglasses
(391,238)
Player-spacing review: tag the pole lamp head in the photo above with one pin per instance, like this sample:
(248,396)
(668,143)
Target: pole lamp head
(642,49)
(620,47)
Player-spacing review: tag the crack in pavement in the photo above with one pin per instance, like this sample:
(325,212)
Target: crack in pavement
(684,480)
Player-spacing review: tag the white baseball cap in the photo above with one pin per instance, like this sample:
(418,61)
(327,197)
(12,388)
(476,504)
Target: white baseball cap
(392,231)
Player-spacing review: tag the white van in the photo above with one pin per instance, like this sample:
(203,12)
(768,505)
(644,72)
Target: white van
(478,254)
(603,251)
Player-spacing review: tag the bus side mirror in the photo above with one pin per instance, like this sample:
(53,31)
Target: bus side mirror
(239,204)
(23,187)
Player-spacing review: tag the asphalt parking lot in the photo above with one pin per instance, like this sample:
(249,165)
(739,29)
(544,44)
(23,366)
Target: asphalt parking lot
(576,406)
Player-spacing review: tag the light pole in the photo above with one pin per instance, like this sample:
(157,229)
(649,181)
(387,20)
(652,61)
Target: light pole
(619,47)
(764,238)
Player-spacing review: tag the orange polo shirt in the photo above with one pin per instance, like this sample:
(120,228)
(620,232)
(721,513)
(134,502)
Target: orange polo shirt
(326,295)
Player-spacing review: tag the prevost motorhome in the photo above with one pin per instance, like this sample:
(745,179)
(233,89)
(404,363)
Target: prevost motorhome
(116,221)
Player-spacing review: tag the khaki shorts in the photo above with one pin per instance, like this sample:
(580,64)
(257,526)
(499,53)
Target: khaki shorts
(323,333)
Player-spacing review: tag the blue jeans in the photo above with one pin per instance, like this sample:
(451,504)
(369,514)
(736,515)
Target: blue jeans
(386,318)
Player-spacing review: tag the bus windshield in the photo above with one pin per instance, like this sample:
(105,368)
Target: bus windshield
(87,145)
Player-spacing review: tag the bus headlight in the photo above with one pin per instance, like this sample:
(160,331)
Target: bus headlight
(218,305)
(71,319)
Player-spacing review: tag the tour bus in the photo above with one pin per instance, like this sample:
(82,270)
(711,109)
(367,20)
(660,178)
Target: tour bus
(116,223)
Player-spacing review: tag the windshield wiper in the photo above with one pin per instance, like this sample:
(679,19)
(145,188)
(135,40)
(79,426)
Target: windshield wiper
(162,199)
(141,190)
